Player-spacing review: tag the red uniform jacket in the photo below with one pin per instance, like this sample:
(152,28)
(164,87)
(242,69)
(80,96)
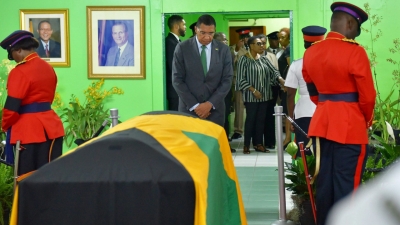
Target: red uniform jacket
(31,81)
(338,65)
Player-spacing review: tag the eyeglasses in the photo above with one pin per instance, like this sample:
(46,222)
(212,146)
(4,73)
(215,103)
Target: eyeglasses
(259,43)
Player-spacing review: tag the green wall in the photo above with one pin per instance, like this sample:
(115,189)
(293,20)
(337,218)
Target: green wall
(148,94)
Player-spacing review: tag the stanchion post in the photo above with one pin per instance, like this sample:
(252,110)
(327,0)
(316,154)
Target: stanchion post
(281,173)
(114,117)
(16,163)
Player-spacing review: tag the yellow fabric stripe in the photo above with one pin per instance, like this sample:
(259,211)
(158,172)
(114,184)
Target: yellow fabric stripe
(167,129)
(14,209)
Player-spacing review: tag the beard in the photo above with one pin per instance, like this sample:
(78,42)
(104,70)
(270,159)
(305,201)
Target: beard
(182,32)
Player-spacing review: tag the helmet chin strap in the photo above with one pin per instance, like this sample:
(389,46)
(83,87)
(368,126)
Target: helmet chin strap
(10,55)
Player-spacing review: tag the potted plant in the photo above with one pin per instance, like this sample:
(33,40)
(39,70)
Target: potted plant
(6,192)
(82,120)
(386,153)
(302,211)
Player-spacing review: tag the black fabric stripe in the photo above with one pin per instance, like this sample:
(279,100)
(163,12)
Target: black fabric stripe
(12,103)
(127,171)
(312,89)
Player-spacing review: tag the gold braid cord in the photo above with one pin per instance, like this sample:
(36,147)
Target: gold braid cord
(341,39)
(317,161)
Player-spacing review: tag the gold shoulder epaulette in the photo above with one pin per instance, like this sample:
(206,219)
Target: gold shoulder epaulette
(22,62)
(351,41)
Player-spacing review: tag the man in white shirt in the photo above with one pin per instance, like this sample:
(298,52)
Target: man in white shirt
(304,109)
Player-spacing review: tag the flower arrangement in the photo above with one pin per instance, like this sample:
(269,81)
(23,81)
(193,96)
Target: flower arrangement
(83,119)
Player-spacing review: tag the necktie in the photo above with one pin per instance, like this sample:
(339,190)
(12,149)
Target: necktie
(203,57)
(47,51)
(274,51)
(117,57)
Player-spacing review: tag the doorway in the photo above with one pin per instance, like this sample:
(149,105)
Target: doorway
(259,22)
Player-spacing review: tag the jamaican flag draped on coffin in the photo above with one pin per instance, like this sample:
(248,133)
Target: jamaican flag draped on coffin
(157,168)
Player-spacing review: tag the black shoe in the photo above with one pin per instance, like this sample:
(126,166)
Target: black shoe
(270,146)
(236,136)
(233,150)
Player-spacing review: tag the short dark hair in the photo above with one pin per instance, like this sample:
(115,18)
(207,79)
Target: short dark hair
(206,20)
(174,19)
(26,44)
(43,21)
(121,23)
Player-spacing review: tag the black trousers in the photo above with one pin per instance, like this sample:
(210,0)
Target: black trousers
(33,156)
(255,120)
(269,127)
(228,105)
(342,166)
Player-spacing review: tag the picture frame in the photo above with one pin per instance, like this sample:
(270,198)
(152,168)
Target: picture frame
(51,28)
(116,42)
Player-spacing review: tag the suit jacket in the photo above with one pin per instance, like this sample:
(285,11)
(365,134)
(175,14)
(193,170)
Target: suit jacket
(54,49)
(126,58)
(170,45)
(278,50)
(193,86)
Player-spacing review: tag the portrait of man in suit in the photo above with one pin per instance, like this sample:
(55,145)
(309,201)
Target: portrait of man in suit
(202,73)
(122,52)
(48,48)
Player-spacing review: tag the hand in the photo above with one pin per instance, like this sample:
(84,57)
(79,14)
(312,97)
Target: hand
(283,88)
(257,95)
(203,110)
(239,45)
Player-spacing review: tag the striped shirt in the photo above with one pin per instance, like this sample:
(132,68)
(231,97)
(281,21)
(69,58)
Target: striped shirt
(260,74)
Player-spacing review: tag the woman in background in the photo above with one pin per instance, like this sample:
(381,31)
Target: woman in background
(255,75)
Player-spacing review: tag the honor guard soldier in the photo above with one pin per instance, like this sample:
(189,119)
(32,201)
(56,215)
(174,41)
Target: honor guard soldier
(338,76)
(27,114)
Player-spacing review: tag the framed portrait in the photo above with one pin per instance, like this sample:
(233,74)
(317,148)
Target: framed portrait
(50,27)
(116,42)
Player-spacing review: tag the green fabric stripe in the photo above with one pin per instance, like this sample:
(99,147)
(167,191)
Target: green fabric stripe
(222,200)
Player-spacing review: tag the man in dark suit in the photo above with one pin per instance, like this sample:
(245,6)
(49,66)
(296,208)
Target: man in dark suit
(177,28)
(121,54)
(48,48)
(202,73)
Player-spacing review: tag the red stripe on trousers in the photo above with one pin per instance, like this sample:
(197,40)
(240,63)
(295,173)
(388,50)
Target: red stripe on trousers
(357,175)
